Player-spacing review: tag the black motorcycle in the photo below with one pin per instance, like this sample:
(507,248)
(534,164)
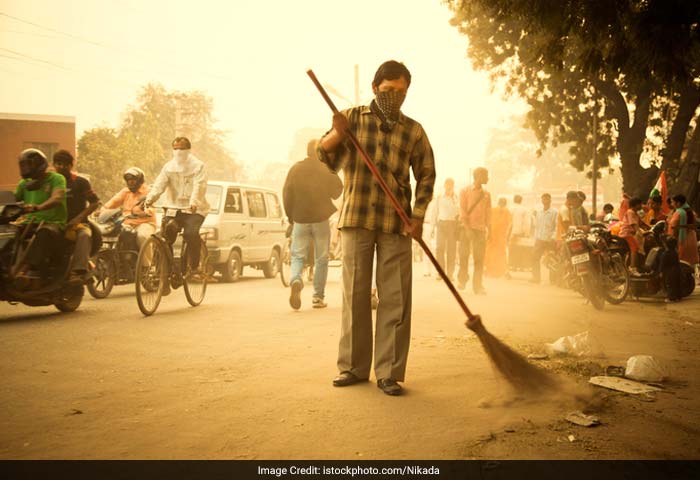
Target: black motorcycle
(655,276)
(115,263)
(15,241)
(595,270)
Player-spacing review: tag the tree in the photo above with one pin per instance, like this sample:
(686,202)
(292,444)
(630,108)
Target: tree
(145,135)
(515,165)
(630,69)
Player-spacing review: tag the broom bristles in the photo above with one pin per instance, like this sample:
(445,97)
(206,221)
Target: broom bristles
(516,370)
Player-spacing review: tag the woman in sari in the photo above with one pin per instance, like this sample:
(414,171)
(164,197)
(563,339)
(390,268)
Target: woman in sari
(496,260)
(682,226)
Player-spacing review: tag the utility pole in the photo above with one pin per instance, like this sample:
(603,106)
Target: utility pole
(357,84)
(595,156)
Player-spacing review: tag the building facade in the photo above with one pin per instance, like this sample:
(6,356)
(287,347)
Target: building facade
(47,133)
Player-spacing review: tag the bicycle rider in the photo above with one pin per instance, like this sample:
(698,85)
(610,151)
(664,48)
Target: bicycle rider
(184,181)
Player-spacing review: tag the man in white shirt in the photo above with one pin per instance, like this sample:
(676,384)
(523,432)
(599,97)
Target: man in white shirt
(184,181)
(445,218)
(545,230)
(520,230)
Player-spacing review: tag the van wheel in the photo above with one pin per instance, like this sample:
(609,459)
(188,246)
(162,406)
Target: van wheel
(272,267)
(233,267)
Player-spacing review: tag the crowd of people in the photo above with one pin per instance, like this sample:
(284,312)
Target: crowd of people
(505,238)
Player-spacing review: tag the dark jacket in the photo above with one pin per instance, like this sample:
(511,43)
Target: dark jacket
(308,190)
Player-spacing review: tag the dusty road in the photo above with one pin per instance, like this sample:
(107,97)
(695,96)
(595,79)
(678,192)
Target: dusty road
(244,377)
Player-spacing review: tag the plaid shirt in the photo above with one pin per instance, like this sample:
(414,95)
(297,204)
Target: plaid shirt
(405,147)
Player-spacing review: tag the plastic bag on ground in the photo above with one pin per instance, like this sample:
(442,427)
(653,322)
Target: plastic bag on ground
(576,345)
(644,368)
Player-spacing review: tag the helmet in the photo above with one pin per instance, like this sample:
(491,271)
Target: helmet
(32,163)
(137,173)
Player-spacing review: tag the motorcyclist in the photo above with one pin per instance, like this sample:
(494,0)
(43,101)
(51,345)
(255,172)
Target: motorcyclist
(44,197)
(184,180)
(81,201)
(128,199)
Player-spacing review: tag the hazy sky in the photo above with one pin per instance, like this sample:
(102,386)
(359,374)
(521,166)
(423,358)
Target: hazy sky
(88,58)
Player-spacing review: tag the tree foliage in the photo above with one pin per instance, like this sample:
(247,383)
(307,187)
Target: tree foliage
(620,76)
(145,135)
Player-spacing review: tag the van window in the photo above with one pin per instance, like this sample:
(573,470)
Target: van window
(274,204)
(213,196)
(234,202)
(256,204)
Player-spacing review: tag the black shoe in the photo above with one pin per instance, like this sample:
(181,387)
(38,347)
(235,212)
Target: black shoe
(347,378)
(389,386)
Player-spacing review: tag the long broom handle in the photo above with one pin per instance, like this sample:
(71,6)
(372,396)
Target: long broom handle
(395,203)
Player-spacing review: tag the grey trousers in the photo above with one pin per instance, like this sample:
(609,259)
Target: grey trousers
(393,326)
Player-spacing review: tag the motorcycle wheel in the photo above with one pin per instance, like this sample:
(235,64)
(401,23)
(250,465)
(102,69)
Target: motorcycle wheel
(104,276)
(71,298)
(593,293)
(617,281)
(687,280)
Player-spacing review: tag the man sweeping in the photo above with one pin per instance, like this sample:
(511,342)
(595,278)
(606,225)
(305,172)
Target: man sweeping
(369,223)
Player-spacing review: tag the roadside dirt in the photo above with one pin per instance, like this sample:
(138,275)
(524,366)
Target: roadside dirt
(244,377)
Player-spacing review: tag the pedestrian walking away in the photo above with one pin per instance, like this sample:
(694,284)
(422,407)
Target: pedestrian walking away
(369,223)
(308,190)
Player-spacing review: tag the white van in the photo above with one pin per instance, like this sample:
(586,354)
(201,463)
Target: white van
(245,227)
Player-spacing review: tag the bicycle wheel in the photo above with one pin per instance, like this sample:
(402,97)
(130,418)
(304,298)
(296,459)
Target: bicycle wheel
(105,273)
(151,275)
(286,264)
(195,285)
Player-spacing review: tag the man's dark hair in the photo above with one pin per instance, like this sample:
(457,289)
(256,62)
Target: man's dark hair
(63,156)
(581,195)
(608,207)
(391,70)
(184,140)
(517,198)
(680,198)
(546,195)
(635,202)
(657,199)
(572,195)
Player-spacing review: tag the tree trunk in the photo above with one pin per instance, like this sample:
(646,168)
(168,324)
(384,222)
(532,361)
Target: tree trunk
(688,103)
(636,180)
(688,180)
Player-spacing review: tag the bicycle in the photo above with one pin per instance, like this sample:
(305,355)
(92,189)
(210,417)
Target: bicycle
(157,264)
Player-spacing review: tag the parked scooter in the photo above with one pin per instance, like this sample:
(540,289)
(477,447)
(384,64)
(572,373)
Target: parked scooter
(54,289)
(652,278)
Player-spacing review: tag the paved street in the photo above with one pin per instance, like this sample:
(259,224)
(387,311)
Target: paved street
(245,377)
